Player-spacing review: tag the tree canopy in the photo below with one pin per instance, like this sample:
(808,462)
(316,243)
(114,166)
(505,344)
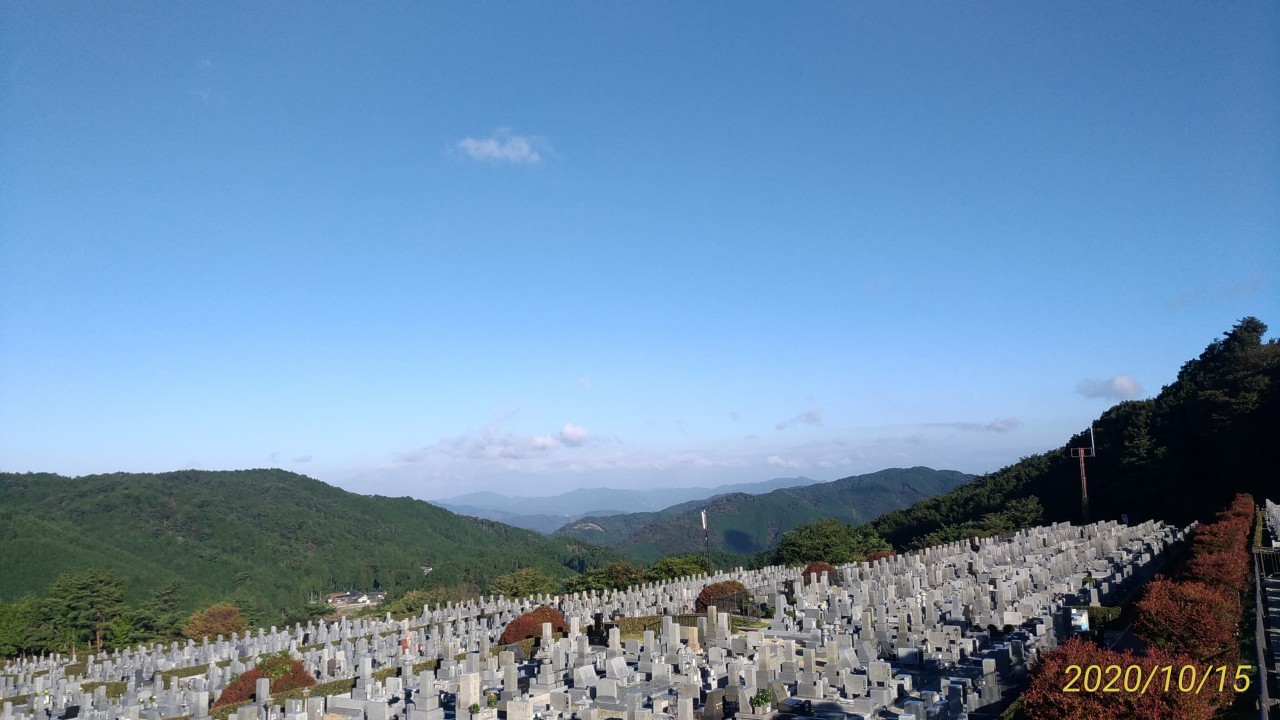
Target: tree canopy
(827,540)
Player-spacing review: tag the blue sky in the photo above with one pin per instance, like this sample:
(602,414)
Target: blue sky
(423,249)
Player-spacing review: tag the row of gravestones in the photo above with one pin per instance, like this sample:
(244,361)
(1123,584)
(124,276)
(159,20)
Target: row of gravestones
(382,654)
(891,595)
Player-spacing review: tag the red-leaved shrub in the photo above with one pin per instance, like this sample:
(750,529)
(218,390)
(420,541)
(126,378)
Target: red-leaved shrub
(813,572)
(727,595)
(529,625)
(285,674)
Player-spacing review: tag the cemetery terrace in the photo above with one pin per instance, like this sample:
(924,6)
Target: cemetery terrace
(938,634)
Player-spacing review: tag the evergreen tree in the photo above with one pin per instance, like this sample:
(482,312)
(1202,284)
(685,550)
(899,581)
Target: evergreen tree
(89,604)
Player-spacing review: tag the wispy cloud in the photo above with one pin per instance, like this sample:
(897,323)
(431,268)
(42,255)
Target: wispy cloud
(505,147)
(808,417)
(1000,425)
(574,435)
(302,459)
(1120,387)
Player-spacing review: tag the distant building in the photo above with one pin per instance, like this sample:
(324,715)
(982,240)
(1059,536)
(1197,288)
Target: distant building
(352,597)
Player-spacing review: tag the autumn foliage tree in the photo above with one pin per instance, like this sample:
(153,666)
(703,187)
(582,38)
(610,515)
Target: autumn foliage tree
(1046,698)
(1228,570)
(1190,617)
(221,619)
(284,673)
(529,625)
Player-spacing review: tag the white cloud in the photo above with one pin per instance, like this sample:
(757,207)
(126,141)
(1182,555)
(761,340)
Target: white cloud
(574,435)
(779,462)
(490,443)
(503,146)
(493,443)
(1121,387)
(808,417)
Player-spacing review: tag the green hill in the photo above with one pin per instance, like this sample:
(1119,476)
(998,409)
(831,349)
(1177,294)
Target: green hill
(742,524)
(1208,435)
(270,536)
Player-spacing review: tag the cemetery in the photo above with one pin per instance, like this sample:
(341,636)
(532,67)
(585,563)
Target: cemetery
(944,633)
(1273,523)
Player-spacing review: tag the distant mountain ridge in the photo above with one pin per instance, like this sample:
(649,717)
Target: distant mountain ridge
(744,524)
(273,537)
(549,513)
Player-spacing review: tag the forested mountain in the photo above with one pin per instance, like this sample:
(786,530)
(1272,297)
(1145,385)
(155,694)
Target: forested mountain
(1208,435)
(747,524)
(268,537)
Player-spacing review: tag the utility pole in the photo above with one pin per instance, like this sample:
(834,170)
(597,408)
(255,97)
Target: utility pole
(1082,453)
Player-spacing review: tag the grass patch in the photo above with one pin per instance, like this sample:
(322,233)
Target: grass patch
(191,671)
(115,690)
